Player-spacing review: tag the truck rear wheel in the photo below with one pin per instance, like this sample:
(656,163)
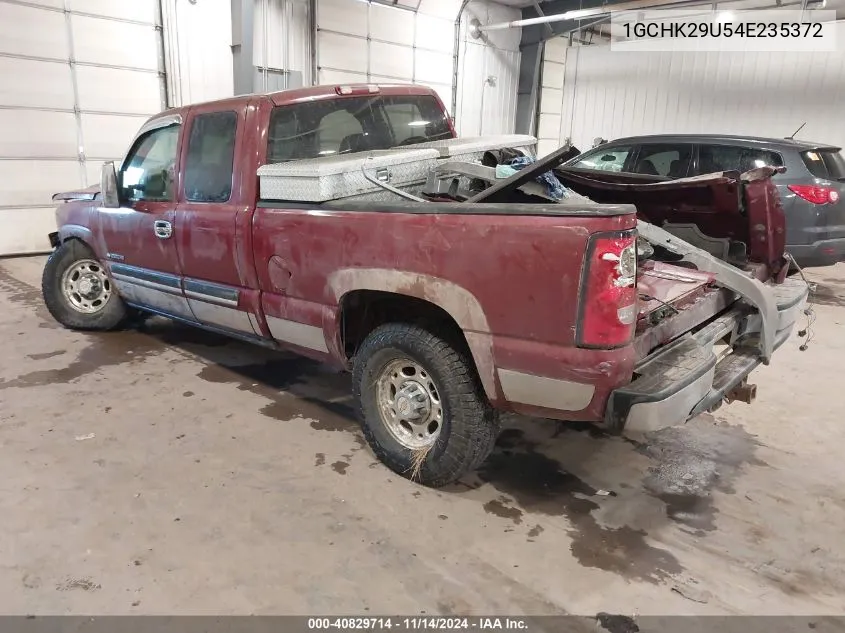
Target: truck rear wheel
(422,408)
(78,291)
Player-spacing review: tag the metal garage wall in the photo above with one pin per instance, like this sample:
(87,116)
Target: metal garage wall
(767,94)
(197,44)
(361,41)
(488,72)
(282,44)
(77,78)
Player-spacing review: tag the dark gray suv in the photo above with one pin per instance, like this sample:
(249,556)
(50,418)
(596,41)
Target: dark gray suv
(811,188)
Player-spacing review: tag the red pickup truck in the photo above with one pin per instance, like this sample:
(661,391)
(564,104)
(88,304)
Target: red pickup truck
(446,307)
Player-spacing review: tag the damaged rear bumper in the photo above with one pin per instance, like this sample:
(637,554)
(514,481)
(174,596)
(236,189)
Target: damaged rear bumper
(686,377)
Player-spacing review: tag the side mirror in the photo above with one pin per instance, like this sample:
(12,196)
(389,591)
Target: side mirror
(108,187)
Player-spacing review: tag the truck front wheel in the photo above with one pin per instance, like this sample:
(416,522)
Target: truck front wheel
(78,291)
(422,408)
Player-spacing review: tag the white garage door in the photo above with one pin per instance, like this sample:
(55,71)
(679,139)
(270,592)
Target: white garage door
(77,79)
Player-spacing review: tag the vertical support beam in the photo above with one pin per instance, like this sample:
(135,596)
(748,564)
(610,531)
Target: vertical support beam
(527,96)
(162,57)
(243,24)
(77,110)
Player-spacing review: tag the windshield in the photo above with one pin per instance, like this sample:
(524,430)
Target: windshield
(825,163)
(353,124)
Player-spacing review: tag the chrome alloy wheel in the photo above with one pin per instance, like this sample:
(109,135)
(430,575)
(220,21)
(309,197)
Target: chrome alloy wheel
(409,403)
(86,286)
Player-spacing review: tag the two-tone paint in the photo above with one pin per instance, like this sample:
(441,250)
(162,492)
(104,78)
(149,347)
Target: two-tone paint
(278,274)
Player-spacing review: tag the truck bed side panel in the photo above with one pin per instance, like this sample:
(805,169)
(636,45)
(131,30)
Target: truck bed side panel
(510,282)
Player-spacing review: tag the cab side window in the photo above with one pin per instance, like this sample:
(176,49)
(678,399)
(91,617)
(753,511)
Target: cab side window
(211,155)
(148,173)
(664,159)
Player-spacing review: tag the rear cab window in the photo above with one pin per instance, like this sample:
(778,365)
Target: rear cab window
(716,158)
(353,124)
(825,163)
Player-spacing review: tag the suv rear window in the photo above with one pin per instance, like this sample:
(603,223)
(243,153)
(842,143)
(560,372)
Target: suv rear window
(827,163)
(353,124)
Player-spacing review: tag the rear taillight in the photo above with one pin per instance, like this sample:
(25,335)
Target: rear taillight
(608,308)
(815,194)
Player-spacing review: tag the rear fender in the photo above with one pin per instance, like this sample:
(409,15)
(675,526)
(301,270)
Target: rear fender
(457,301)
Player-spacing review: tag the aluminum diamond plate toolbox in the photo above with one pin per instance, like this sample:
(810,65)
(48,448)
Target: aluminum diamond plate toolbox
(333,177)
(473,147)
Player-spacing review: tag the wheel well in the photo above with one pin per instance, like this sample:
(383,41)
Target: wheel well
(362,311)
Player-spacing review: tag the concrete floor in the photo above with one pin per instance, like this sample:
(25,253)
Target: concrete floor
(172,471)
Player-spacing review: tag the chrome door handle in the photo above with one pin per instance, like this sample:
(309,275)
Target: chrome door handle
(163,229)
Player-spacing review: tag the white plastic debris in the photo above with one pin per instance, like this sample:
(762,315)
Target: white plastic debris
(82,438)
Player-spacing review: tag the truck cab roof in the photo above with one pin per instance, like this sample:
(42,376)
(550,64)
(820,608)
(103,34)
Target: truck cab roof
(311,93)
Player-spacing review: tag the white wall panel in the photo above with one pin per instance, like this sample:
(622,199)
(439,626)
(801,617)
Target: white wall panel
(342,53)
(57,4)
(108,135)
(117,90)
(29,83)
(114,43)
(30,31)
(391,60)
(330,76)
(34,133)
(391,25)
(49,140)
(138,10)
(440,8)
(382,79)
(24,230)
(763,94)
(342,16)
(488,73)
(33,182)
(551,101)
(435,33)
(433,67)
(287,37)
(198,41)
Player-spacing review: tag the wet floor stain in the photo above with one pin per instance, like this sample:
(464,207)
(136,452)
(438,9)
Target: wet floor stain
(617,623)
(319,459)
(46,355)
(830,292)
(340,467)
(536,531)
(21,293)
(103,350)
(500,508)
(691,462)
(532,482)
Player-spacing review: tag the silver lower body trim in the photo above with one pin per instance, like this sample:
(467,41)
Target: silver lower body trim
(145,293)
(222,316)
(549,393)
(295,333)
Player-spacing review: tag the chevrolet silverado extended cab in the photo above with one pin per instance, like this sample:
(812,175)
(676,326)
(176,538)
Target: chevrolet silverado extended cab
(450,300)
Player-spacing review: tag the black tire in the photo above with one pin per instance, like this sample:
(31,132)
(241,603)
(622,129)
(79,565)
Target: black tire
(109,316)
(469,424)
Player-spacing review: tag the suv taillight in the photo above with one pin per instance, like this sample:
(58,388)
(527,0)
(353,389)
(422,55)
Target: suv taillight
(608,302)
(815,194)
